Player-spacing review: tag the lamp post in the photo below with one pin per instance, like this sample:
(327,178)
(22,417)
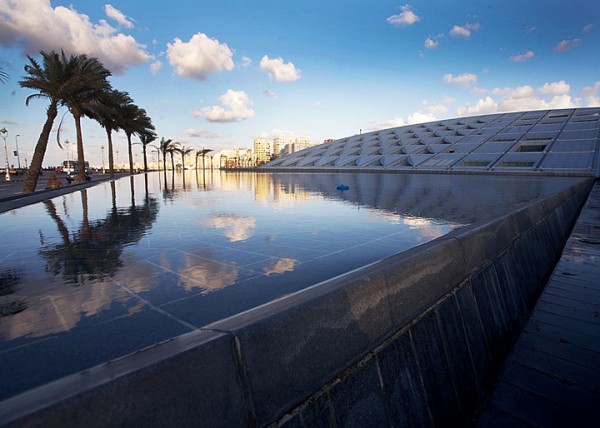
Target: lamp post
(68,157)
(157,154)
(102,148)
(4,134)
(17,145)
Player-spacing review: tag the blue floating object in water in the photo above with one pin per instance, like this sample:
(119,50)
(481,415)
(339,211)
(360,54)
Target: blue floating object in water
(342,187)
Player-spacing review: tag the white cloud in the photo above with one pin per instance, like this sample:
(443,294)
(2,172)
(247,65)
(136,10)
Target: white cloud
(269,94)
(592,94)
(555,88)
(197,133)
(35,26)
(406,17)
(587,28)
(591,90)
(429,113)
(566,45)
(518,92)
(464,79)
(431,43)
(237,107)
(522,57)
(551,95)
(464,31)
(278,70)
(199,57)
(246,61)
(155,67)
(118,16)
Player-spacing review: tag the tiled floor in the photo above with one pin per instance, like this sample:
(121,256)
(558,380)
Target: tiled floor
(552,377)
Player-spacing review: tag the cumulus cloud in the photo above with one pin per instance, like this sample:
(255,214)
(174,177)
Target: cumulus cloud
(522,57)
(592,94)
(236,108)
(155,67)
(198,133)
(464,79)
(278,70)
(431,43)
(551,95)
(35,25)
(405,17)
(566,45)
(118,16)
(199,57)
(555,88)
(465,30)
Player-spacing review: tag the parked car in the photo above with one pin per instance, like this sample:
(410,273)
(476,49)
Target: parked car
(73,175)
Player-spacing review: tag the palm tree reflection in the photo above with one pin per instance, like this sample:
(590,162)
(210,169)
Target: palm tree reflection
(93,252)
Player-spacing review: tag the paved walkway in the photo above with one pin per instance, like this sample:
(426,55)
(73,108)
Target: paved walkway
(552,377)
(11,192)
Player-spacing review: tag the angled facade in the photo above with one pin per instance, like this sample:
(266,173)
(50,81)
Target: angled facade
(562,141)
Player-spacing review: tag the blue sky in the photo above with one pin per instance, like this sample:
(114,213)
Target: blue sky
(219,73)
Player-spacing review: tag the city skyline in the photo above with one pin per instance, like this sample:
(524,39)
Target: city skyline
(220,74)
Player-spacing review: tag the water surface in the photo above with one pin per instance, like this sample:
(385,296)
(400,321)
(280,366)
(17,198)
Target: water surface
(96,274)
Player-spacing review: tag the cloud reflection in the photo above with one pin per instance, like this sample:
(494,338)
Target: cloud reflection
(236,228)
(280,266)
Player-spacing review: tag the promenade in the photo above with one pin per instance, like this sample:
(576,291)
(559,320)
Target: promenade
(552,376)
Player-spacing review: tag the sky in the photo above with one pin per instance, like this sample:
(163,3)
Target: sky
(219,73)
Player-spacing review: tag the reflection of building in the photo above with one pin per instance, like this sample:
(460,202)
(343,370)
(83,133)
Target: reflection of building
(262,187)
(262,150)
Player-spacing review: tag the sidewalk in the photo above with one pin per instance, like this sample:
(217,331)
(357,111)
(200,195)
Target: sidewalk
(552,377)
(12,197)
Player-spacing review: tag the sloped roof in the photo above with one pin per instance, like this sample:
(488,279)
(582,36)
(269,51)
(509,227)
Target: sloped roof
(565,141)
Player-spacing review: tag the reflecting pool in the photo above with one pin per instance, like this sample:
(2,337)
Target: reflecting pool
(102,272)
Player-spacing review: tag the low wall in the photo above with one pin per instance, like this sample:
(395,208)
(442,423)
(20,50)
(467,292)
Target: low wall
(415,339)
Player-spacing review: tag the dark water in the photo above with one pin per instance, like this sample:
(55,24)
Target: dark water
(96,274)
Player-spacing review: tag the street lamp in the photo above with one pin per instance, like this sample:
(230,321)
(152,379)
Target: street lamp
(4,134)
(102,148)
(157,154)
(18,155)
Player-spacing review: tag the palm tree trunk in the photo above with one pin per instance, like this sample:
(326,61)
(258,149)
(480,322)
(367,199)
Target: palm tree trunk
(40,149)
(129,147)
(80,154)
(172,163)
(145,159)
(111,159)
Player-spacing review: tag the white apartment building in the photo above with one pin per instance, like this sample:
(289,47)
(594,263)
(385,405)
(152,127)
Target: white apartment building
(262,150)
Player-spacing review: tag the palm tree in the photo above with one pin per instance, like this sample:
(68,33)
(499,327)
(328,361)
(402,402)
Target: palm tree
(3,76)
(184,151)
(106,112)
(51,80)
(173,147)
(85,88)
(146,138)
(164,148)
(202,153)
(134,120)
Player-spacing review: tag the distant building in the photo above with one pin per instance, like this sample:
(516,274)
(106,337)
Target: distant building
(294,145)
(262,150)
